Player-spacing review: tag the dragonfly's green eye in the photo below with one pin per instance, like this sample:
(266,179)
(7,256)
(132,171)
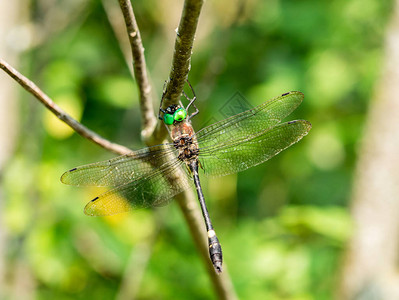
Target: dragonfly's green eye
(168,119)
(180,114)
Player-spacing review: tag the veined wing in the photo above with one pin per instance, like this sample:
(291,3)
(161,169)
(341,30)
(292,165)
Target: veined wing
(155,189)
(246,151)
(119,170)
(250,122)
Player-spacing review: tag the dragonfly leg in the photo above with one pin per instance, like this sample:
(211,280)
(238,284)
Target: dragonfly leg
(194,113)
(160,105)
(159,112)
(191,101)
(200,165)
(160,108)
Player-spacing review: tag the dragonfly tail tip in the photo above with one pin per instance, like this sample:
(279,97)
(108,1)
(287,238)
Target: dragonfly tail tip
(218,268)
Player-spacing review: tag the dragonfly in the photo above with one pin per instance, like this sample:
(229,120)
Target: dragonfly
(152,176)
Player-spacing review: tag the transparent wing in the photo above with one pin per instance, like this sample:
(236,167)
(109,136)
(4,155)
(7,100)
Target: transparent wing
(155,189)
(119,170)
(245,151)
(250,122)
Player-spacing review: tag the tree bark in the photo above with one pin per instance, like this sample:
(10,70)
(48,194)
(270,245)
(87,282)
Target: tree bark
(370,268)
(16,280)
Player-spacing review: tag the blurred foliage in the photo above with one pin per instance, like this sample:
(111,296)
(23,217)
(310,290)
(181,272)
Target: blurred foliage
(283,225)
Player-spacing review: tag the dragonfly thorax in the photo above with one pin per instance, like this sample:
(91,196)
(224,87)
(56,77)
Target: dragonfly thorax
(185,141)
(188,150)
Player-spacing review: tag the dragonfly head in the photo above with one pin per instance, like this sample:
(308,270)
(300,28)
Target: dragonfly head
(174,113)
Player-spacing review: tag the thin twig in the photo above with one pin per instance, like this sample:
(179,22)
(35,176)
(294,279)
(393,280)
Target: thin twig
(59,113)
(114,15)
(181,58)
(183,51)
(148,119)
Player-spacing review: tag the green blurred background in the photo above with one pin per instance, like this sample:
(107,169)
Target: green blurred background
(283,225)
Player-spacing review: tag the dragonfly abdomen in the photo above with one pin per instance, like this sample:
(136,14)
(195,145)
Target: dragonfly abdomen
(215,249)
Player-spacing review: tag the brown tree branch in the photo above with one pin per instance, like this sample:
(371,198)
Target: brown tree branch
(187,201)
(370,269)
(60,114)
(178,76)
(117,22)
(181,58)
(148,119)
(183,50)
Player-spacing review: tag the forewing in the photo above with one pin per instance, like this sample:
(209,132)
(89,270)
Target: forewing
(240,154)
(250,122)
(156,189)
(119,170)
